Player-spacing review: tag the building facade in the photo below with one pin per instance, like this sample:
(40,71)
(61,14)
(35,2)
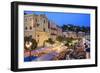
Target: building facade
(40,28)
(52,30)
(70,34)
(37,27)
(29,25)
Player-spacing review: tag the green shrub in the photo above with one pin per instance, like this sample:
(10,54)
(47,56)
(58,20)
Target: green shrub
(60,38)
(50,41)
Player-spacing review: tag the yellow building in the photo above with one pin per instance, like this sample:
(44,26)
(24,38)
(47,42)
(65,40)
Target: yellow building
(41,37)
(29,25)
(37,27)
(40,28)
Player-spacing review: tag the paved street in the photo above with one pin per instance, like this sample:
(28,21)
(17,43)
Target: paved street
(58,52)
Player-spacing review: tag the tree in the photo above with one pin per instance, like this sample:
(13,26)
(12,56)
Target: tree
(68,41)
(70,27)
(60,38)
(32,44)
(50,41)
(64,27)
(77,30)
(30,40)
(85,29)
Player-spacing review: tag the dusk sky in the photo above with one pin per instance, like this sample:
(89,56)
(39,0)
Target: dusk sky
(59,18)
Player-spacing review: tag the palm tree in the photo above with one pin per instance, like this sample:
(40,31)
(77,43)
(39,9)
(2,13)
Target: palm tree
(30,44)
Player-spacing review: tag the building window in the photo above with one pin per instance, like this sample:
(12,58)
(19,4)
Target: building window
(38,25)
(48,24)
(53,34)
(44,29)
(37,35)
(44,21)
(30,28)
(37,40)
(30,36)
(25,28)
(36,20)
